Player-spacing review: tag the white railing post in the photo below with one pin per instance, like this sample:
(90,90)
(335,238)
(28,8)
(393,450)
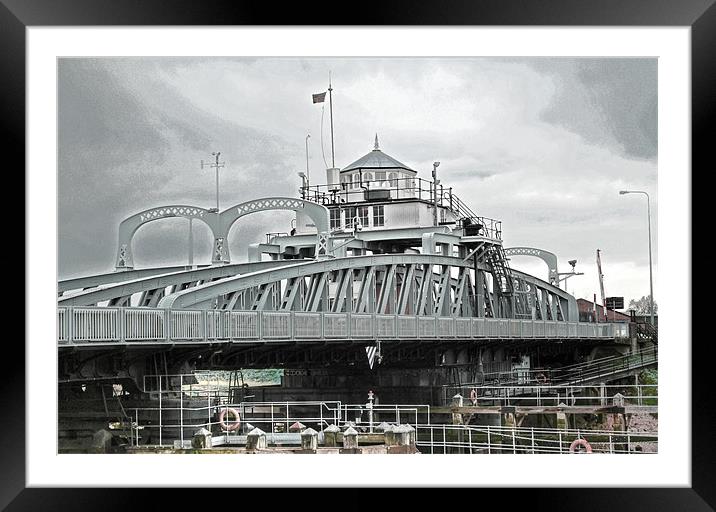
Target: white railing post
(167,324)
(122,321)
(259,325)
(71,327)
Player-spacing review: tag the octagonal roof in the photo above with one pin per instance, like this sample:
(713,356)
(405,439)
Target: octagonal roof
(376,159)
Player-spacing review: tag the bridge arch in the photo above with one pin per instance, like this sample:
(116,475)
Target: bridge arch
(318,214)
(129,226)
(548,257)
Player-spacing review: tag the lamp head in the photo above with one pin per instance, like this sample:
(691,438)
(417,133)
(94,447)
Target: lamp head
(302,174)
(436,164)
(573,263)
(622,192)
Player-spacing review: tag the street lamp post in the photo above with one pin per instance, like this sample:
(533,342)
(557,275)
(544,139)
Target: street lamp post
(216,165)
(651,281)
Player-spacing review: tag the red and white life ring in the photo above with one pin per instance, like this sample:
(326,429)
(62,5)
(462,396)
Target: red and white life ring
(580,442)
(541,378)
(229,425)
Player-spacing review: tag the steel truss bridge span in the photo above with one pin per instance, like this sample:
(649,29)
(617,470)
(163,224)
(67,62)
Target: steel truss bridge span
(404,284)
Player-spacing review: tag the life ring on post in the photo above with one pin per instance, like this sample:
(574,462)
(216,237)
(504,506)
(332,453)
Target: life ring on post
(229,425)
(580,442)
(473,396)
(541,378)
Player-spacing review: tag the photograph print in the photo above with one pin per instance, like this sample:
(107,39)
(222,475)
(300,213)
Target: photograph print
(357,255)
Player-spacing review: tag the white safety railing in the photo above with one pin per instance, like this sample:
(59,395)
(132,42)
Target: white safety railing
(108,324)
(638,395)
(443,439)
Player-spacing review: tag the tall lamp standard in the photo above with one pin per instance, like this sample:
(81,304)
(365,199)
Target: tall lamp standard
(651,281)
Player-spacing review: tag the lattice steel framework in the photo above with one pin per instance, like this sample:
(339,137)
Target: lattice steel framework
(404,284)
(220,224)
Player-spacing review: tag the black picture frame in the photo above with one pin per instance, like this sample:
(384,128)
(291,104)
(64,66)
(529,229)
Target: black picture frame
(700,15)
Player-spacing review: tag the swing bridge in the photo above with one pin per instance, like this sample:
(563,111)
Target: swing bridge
(386,282)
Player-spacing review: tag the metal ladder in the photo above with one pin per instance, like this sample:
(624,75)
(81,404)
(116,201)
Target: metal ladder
(500,269)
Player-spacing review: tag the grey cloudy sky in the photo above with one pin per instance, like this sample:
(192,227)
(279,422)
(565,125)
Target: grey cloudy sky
(544,144)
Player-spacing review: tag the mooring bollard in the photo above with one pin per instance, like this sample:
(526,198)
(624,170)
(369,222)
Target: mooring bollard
(402,435)
(309,440)
(201,439)
(350,439)
(457,401)
(330,436)
(562,423)
(256,440)
(382,427)
(297,427)
(389,434)
(411,434)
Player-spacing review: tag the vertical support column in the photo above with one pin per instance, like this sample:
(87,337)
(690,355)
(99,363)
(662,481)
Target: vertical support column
(479,292)
(220,254)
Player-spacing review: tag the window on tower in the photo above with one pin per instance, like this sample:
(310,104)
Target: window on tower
(378,215)
(335,218)
(363,215)
(350,215)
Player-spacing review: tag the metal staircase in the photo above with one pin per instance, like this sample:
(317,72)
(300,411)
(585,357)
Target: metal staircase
(647,332)
(497,260)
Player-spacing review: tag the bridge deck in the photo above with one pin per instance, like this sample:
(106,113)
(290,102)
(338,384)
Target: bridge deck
(106,325)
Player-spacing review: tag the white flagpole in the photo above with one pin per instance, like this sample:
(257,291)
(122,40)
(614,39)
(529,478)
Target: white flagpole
(330,101)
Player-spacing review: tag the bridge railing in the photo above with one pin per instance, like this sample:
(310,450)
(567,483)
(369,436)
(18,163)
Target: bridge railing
(107,324)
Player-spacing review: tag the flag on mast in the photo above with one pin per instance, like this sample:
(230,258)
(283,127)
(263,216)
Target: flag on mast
(319,97)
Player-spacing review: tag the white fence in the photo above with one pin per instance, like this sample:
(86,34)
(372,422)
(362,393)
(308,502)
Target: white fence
(99,324)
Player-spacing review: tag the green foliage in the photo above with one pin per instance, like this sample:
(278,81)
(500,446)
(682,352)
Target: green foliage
(642,305)
(649,376)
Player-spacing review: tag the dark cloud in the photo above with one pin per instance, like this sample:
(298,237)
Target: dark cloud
(608,102)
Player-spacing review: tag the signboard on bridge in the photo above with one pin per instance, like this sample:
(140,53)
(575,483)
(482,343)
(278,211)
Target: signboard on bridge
(615,302)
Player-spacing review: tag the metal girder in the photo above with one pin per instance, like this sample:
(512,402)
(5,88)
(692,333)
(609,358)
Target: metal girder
(264,292)
(426,289)
(405,290)
(386,289)
(290,293)
(318,292)
(345,281)
(365,295)
(443,293)
(175,281)
(459,291)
